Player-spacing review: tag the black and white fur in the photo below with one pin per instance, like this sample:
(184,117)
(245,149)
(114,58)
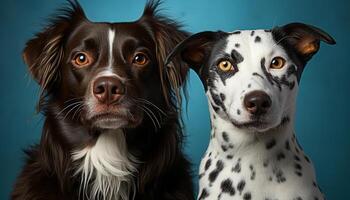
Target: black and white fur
(254,156)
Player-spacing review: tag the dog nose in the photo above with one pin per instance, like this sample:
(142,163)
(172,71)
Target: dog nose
(108,89)
(257,102)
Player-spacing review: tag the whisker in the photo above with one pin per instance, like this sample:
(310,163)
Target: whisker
(80,108)
(76,98)
(155,127)
(152,113)
(71,110)
(65,108)
(150,103)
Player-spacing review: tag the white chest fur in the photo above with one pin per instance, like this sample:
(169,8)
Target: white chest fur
(249,166)
(106,168)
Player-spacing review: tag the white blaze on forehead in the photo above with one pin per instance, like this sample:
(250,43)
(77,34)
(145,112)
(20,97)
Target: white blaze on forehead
(111,35)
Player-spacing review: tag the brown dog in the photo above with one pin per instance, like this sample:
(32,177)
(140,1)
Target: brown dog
(112,128)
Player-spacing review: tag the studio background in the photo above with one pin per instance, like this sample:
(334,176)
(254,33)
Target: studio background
(322,121)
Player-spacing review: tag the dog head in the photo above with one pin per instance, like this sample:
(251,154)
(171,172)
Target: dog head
(251,77)
(107,75)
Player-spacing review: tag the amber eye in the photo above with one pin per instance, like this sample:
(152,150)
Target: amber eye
(140,59)
(81,59)
(277,63)
(225,66)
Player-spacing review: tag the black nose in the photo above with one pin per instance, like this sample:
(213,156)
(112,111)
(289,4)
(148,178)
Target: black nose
(257,102)
(108,90)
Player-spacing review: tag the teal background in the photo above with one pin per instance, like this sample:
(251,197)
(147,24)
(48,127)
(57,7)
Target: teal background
(322,111)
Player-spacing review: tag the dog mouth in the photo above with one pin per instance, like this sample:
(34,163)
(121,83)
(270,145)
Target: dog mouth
(259,124)
(116,117)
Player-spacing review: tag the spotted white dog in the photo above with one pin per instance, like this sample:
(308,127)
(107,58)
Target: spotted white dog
(251,79)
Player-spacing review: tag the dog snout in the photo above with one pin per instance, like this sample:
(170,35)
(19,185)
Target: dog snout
(257,102)
(108,90)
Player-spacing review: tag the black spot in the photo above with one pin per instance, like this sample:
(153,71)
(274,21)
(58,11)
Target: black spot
(296,158)
(267,31)
(280,176)
(207,164)
(204,194)
(229,156)
(280,156)
(226,187)
(222,96)
(271,144)
(257,39)
(247,196)
(237,45)
(252,33)
(270,178)
(201,175)
(238,111)
(298,198)
(209,154)
(314,184)
(238,58)
(249,85)
(236,32)
(298,173)
(297,166)
(287,145)
(230,146)
(266,163)
(237,167)
(252,175)
(214,174)
(224,147)
(307,158)
(225,136)
(240,186)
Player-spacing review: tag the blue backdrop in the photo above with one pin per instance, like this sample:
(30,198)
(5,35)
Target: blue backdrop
(322,111)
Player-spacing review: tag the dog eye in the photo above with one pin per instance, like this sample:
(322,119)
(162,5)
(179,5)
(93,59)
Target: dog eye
(225,65)
(81,59)
(277,63)
(140,59)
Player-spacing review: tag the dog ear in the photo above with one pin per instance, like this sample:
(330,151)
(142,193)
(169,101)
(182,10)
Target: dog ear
(167,34)
(43,53)
(305,39)
(195,50)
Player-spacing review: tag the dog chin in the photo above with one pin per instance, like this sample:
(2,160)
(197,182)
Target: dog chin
(110,123)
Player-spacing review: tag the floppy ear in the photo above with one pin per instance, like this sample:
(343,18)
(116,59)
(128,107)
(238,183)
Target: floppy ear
(305,39)
(167,34)
(195,50)
(44,52)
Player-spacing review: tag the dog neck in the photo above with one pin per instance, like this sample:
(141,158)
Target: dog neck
(106,168)
(230,140)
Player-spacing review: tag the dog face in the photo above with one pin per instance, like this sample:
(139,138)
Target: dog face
(106,75)
(251,77)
